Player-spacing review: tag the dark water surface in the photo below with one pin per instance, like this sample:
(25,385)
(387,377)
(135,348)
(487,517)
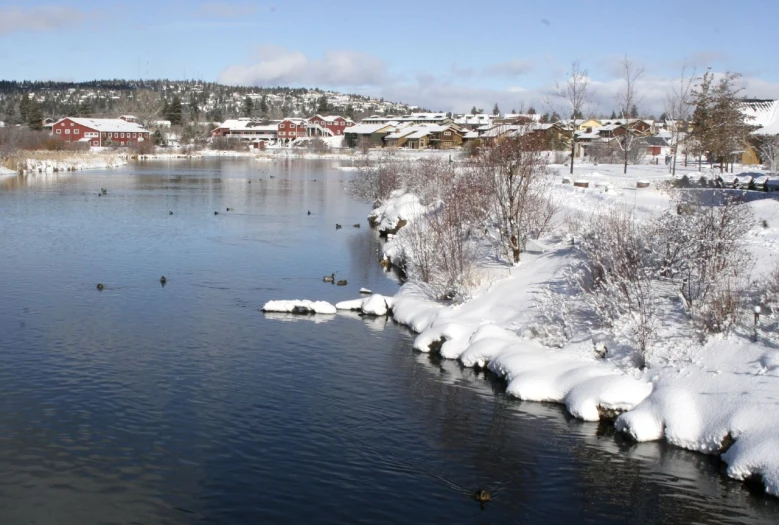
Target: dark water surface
(185,404)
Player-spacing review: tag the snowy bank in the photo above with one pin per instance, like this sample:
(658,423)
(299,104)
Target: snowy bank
(720,397)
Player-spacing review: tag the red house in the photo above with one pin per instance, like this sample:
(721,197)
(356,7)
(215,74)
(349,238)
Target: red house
(291,128)
(99,131)
(336,124)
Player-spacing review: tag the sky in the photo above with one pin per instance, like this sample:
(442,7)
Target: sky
(445,56)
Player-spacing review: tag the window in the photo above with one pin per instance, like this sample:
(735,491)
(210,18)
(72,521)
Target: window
(116,135)
(281,125)
(71,124)
(94,143)
(76,131)
(67,132)
(135,135)
(447,133)
(122,136)
(59,132)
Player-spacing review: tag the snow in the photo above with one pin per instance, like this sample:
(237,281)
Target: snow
(376,304)
(702,397)
(400,207)
(299,306)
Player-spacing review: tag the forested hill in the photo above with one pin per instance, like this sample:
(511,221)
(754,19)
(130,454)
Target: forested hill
(199,101)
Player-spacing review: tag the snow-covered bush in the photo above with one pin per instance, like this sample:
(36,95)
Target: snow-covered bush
(619,276)
(703,251)
(374,181)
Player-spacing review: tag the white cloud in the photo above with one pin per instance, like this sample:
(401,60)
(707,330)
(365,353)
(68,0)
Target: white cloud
(280,66)
(39,18)
(510,68)
(454,90)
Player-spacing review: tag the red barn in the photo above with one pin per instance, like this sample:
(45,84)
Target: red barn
(99,131)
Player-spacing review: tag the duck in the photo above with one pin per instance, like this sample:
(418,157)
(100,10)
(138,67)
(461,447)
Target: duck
(216,213)
(309,212)
(100,286)
(230,209)
(482,495)
(329,278)
(356,225)
(163,280)
(337,226)
(170,213)
(342,282)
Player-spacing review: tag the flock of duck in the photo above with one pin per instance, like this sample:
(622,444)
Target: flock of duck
(163,281)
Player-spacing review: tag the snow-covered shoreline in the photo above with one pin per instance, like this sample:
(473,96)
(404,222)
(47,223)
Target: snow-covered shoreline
(720,397)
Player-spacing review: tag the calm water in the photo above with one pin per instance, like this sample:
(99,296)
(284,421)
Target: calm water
(185,404)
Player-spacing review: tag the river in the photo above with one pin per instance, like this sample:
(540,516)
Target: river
(183,403)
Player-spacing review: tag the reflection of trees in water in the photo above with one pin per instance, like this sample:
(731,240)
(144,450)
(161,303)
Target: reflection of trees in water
(546,457)
(364,248)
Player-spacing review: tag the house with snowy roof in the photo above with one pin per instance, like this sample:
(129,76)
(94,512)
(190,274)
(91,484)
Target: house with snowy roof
(247,129)
(99,131)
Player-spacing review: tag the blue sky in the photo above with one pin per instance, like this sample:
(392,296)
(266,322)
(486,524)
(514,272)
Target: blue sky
(442,55)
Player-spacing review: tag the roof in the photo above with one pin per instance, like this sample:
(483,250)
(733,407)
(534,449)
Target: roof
(106,124)
(763,113)
(244,124)
(368,129)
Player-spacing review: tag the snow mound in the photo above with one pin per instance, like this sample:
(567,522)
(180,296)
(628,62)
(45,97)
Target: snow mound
(726,402)
(376,304)
(298,306)
(399,207)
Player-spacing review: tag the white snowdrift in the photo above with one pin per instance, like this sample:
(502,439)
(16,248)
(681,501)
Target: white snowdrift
(729,392)
(399,207)
(299,306)
(376,304)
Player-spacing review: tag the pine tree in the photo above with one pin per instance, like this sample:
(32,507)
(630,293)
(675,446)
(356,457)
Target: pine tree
(264,106)
(322,106)
(496,110)
(174,111)
(531,111)
(24,106)
(473,110)
(248,106)
(633,111)
(555,117)
(34,115)
(613,115)
(545,118)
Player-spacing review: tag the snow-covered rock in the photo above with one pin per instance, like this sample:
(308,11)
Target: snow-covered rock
(298,306)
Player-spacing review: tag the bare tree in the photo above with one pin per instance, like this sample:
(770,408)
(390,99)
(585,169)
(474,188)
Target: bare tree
(679,109)
(769,151)
(516,173)
(627,99)
(575,95)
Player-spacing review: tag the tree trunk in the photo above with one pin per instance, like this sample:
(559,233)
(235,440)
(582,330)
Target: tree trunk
(625,147)
(573,146)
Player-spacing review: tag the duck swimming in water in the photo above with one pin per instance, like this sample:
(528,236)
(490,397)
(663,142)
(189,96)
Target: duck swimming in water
(341,282)
(100,286)
(329,278)
(482,495)
(163,280)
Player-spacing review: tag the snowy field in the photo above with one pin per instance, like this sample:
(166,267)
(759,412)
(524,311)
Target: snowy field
(719,395)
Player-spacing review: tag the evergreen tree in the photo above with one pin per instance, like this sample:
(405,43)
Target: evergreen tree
(531,111)
(664,116)
(248,106)
(34,115)
(578,115)
(613,115)
(555,117)
(633,111)
(174,111)
(24,106)
(496,110)
(473,110)
(263,106)
(545,118)
(322,106)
